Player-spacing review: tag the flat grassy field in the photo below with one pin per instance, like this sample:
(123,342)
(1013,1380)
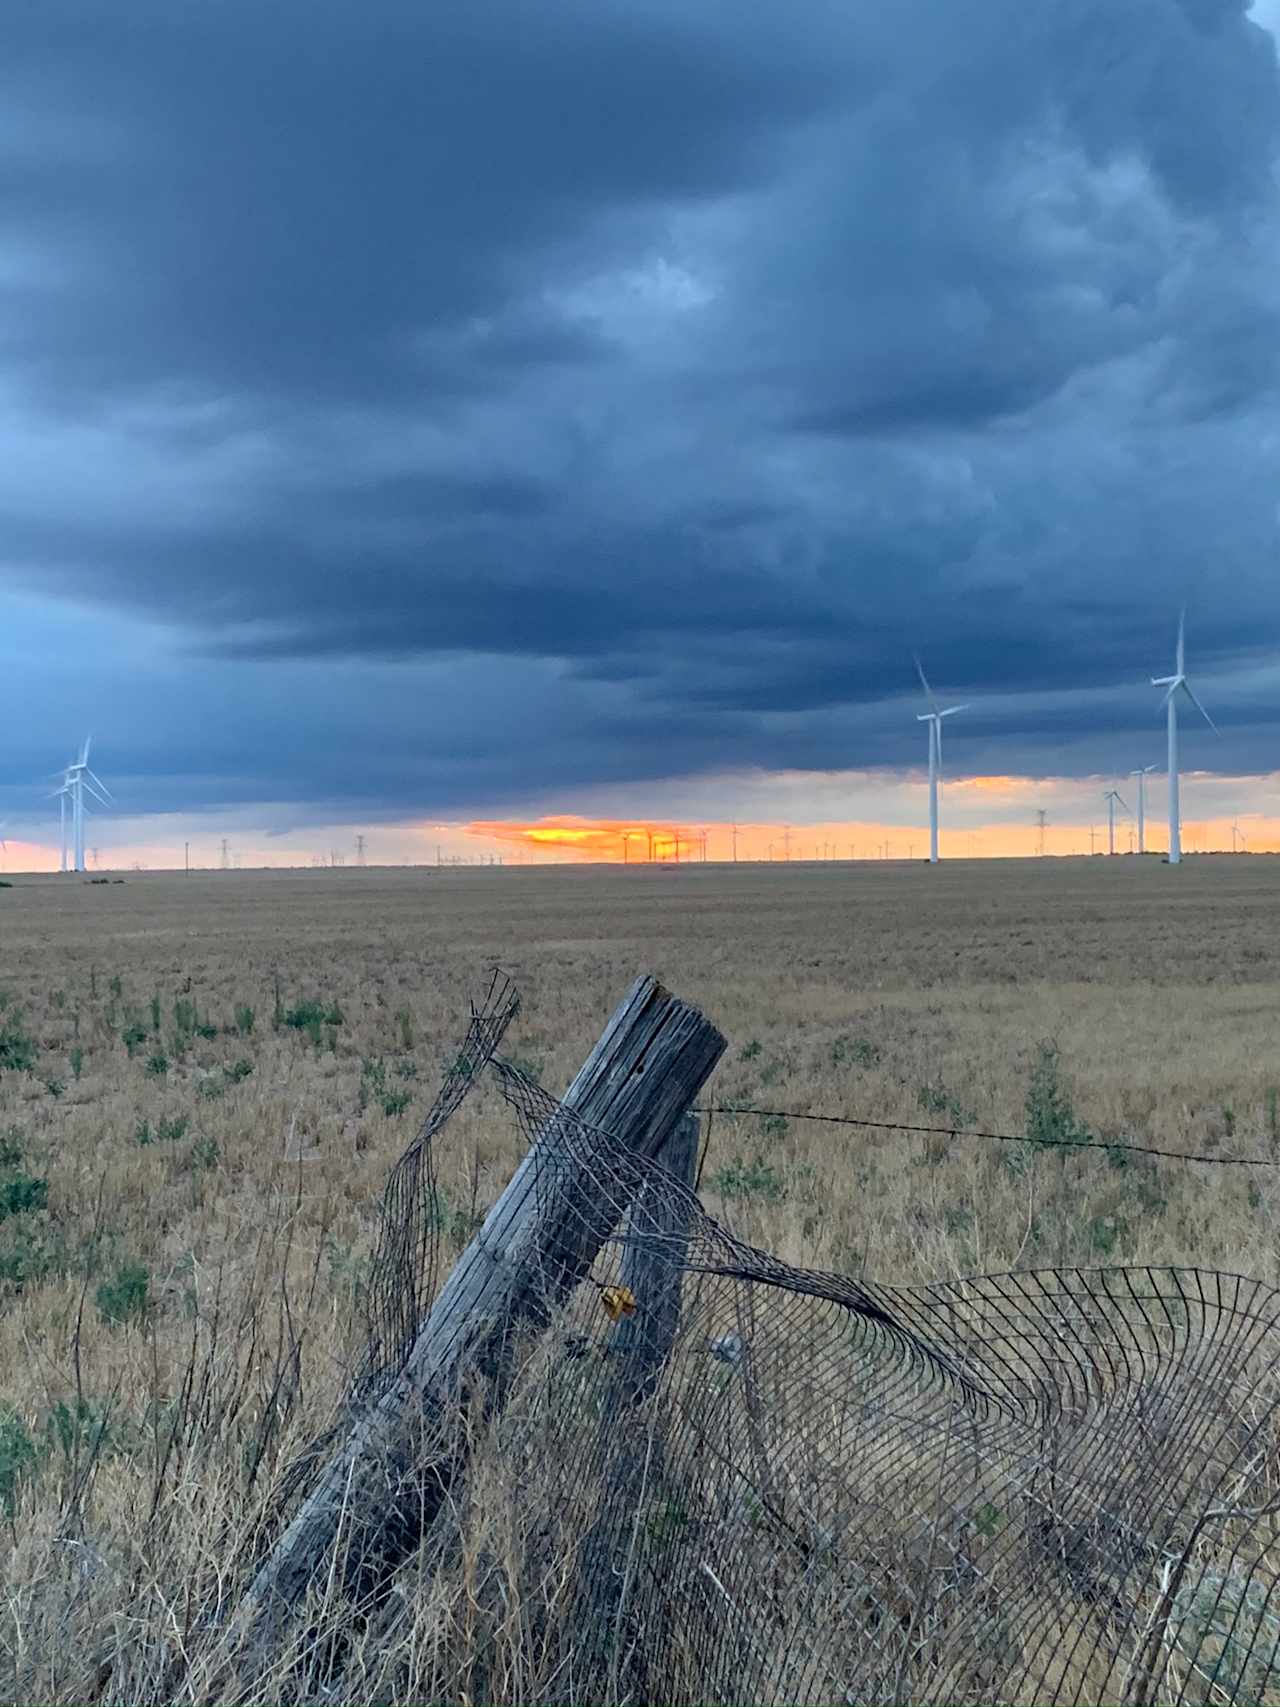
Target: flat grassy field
(204,1080)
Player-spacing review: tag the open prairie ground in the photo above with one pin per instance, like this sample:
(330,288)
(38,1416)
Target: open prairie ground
(204,1081)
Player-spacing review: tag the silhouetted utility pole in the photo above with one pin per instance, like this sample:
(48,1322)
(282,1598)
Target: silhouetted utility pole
(1040,817)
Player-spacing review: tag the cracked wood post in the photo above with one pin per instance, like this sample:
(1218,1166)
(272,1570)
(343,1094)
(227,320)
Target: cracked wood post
(649,1064)
(652,1259)
(632,1459)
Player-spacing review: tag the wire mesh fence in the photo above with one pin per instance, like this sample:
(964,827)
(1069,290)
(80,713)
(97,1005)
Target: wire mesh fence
(1054,1486)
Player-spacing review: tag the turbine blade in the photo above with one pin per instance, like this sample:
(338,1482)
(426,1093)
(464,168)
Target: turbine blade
(98,783)
(1121,801)
(924,681)
(1182,635)
(952,709)
(1186,688)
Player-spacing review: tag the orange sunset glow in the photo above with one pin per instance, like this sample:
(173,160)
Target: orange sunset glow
(631,842)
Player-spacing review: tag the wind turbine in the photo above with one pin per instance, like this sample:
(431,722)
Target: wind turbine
(1111,798)
(1177,680)
(933,717)
(80,780)
(1142,805)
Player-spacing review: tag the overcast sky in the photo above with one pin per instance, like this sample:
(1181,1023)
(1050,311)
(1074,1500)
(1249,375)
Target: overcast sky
(420,410)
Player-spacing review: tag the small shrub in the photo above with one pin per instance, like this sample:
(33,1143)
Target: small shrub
(1106,1234)
(77,1061)
(749,1051)
(55,1087)
(933,1099)
(395,1102)
(11,1147)
(348,1273)
(456,1223)
(854,1049)
(238,1071)
(184,1017)
(212,1087)
(125,1297)
(313,1014)
(28,1257)
(17,1050)
(22,1195)
(81,1427)
(134,1034)
(1050,1116)
(757,1178)
(157,1066)
(244,1019)
(404,1019)
(169,1129)
(17,1458)
(205,1154)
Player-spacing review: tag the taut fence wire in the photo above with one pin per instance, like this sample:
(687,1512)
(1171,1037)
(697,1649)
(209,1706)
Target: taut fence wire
(1041,1487)
(996,1137)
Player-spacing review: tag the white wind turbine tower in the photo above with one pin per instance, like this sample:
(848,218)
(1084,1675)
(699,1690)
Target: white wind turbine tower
(79,781)
(1177,680)
(933,717)
(1112,799)
(62,795)
(1142,776)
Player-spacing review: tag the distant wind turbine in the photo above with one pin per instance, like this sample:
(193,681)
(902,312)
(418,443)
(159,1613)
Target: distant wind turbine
(78,781)
(1112,799)
(933,717)
(1177,680)
(1142,776)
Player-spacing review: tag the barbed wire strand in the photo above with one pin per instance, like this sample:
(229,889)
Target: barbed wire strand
(996,1137)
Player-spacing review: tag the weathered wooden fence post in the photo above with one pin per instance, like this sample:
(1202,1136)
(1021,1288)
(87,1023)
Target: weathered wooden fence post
(387,1479)
(632,1459)
(652,1259)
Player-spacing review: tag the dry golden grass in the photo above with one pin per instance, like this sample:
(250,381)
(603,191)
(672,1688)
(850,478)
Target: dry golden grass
(891,992)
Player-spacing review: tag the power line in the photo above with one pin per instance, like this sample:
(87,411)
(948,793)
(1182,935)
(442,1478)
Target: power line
(997,1137)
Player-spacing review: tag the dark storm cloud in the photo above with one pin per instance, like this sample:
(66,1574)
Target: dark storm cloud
(663,375)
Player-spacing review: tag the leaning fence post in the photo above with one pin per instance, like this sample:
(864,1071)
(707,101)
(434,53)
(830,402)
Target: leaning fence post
(653,1255)
(633,1460)
(389,1475)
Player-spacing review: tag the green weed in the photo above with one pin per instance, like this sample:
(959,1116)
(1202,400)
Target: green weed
(756,1178)
(22,1195)
(17,1050)
(125,1297)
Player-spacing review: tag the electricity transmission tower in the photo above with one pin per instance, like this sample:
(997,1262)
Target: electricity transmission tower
(1040,819)
(226,856)
(359,850)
